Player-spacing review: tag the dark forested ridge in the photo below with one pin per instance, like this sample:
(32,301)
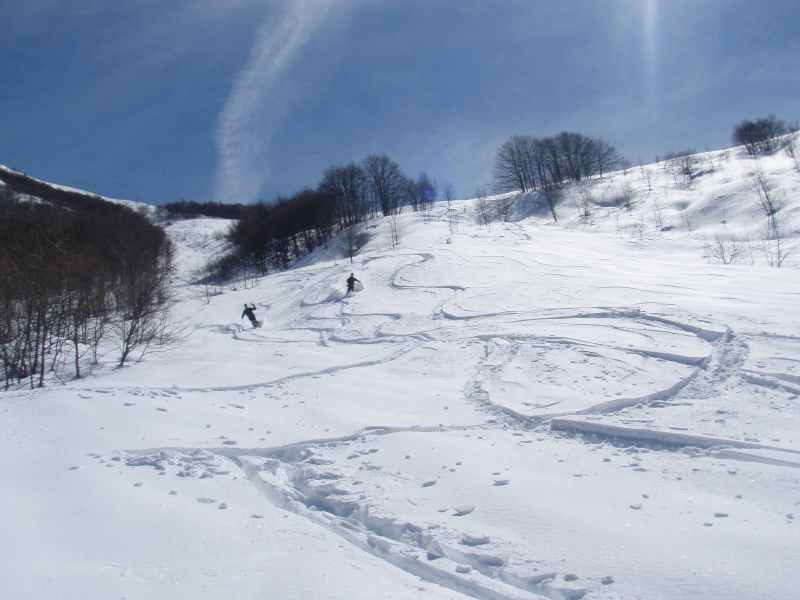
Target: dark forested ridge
(277,234)
(76,270)
(191,209)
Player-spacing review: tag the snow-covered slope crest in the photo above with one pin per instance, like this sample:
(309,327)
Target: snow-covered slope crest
(514,410)
(6,173)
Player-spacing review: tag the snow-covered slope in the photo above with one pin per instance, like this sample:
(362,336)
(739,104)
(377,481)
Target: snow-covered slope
(581,409)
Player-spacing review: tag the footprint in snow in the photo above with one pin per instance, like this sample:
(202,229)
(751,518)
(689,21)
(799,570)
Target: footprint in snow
(502,481)
(138,484)
(73,468)
(206,500)
(429,483)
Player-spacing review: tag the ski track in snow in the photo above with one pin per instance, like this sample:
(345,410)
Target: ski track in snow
(515,421)
(300,477)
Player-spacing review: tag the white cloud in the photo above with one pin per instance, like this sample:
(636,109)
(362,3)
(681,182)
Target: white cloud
(255,106)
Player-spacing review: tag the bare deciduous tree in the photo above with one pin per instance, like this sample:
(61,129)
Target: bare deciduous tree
(683,163)
(395,231)
(482,209)
(628,195)
(724,248)
(552,195)
(355,237)
(449,194)
(658,214)
(686,219)
(647,177)
(503,204)
(777,240)
(346,188)
(386,183)
(514,165)
(144,298)
(584,202)
(764,190)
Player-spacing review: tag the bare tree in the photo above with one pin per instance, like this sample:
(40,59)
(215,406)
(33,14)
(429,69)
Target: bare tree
(449,193)
(647,177)
(584,202)
(686,218)
(658,214)
(766,193)
(778,242)
(724,248)
(345,186)
(482,208)
(514,165)
(503,204)
(421,194)
(395,230)
(628,195)
(386,183)
(552,195)
(144,299)
(426,191)
(683,163)
(608,158)
(355,238)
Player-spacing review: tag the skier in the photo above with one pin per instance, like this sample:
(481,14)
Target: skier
(248,310)
(351,283)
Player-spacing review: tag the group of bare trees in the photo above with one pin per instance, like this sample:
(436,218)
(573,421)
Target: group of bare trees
(277,234)
(528,163)
(75,273)
(761,136)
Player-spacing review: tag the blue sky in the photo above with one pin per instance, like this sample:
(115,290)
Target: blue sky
(238,100)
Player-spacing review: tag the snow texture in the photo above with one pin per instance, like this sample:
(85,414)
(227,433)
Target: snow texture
(581,409)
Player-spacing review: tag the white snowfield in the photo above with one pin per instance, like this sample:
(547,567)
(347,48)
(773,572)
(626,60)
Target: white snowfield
(581,409)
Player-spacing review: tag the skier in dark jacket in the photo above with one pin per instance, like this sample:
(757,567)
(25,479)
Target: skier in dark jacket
(248,310)
(351,283)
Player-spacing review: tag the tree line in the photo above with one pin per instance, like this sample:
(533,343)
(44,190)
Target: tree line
(276,234)
(191,209)
(76,271)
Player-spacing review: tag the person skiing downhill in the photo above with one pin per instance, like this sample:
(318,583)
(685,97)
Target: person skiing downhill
(248,310)
(351,283)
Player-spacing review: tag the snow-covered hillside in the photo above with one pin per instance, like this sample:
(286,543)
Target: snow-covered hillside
(588,408)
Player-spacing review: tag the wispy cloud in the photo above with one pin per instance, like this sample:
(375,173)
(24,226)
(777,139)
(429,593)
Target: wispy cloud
(255,106)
